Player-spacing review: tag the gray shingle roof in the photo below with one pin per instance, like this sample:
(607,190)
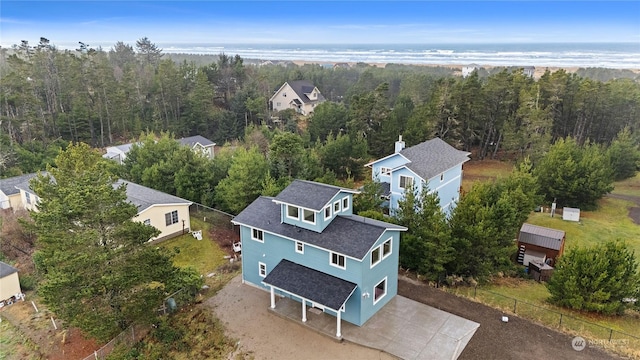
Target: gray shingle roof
(192,140)
(8,185)
(308,194)
(302,87)
(310,284)
(6,269)
(352,236)
(432,157)
(541,236)
(144,197)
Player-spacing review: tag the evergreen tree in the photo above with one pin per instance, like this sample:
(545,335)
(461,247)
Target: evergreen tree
(597,279)
(247,173)
(624,155)
(98,274)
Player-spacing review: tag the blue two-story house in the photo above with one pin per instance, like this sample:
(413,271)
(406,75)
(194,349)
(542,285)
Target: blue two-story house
(306,244)
(433,163)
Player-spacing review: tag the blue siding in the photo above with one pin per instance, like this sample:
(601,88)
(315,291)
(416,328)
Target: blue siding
(390,162)
(448,188)
(357,309)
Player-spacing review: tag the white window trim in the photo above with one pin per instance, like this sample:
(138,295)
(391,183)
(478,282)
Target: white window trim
(260,267)
(339,203)
(372,264)
(255,238)
(299,247)
(325,212)
(170,213)
(331,253)
(405,182)
(381,249)
(385,171)
(386,288)
(147,222)
(303,217)
(348,203)
(287,212)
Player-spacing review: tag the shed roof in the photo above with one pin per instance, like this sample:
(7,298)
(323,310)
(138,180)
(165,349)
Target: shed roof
(8,185)
(310,284)
(433,157)
(6,269)
(541,236)
(309,194)
(351,235)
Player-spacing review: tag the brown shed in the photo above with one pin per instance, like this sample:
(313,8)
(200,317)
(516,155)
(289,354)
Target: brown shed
(540,271)
(533,238)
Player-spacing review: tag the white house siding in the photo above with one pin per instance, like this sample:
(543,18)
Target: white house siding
(9,286)
(156,216)
(284,96)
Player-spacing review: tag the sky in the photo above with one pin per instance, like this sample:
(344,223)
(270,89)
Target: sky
(103,23)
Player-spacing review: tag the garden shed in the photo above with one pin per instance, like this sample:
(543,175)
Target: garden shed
(570,214)
(538,240)
(540,271)
(9,282)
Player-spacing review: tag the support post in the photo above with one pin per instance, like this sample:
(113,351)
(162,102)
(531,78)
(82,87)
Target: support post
(304,310)
(338,325)
(273,298)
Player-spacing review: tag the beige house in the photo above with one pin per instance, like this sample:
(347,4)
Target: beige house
(199,144)
(167,213)
(10,197)
(300,95)
(9,283)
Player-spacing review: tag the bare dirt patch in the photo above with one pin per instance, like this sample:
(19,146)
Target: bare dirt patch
(634,212)
(61,344)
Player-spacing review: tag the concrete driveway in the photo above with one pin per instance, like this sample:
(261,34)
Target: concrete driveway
(403,328)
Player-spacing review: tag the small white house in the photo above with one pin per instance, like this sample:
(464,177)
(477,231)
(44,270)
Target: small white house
(9,283)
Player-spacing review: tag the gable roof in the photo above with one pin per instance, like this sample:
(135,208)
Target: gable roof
(350,235)
(9,185)
(310,284)
(541,236)
(6,269)
(144,197)
(433,157)
(303,87)
(309,194)
(193,140)
(123,148)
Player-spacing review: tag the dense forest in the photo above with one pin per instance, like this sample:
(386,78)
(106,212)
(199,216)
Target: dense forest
(103,97)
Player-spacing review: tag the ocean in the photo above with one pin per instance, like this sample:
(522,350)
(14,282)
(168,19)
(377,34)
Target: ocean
(614,55)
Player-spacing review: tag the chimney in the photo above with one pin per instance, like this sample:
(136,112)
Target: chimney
(399,144)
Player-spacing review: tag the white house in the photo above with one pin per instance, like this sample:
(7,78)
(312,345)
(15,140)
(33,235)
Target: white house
(468,69)
(199,144)
(9,283)
(300,95)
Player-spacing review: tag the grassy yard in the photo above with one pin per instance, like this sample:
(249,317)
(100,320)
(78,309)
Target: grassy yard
(14,345)
(202,255)
(609,222)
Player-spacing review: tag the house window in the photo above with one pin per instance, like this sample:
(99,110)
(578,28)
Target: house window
(257,235)
(338,260)
(405,182)
(380,290)
(292,212)
(327,212)
(147,222)
(385,171)
(375,256)
(284,94)
(345,204)
(299,247)
(278,104)
(336,207)
(309,216)
(262,269)
(441,177)
(171,218)
(386,248)
(27,197)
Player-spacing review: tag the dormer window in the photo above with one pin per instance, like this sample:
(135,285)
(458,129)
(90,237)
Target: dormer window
(336,207)
(345,204)
(327,212)
(309,216)
(293,212)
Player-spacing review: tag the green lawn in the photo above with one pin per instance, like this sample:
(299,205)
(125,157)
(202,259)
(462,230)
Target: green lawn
(14,344)
(202,255)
